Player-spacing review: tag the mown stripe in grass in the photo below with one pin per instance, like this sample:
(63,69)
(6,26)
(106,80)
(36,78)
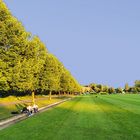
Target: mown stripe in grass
(82,118)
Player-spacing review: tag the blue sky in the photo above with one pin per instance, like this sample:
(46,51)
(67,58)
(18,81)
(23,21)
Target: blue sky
(97,40)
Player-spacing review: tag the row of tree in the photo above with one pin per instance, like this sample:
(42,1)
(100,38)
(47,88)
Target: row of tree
(25,63)
(104,89)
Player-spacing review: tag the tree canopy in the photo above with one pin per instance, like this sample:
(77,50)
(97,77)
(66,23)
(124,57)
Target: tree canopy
(25,63)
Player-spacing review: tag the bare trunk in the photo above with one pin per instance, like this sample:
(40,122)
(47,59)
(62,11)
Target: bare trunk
(33,97)
(50,95)
(59,93)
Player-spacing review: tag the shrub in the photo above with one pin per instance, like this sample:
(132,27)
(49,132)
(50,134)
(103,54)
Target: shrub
(94,93)
(103,93)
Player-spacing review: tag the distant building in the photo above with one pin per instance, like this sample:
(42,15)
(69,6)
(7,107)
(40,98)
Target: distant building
(86,89)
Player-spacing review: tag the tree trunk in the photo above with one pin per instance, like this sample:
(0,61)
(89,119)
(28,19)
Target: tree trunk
(59,93)
(33,97)
(50,95)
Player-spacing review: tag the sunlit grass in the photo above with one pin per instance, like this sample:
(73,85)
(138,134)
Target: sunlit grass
(15,104)
(84,117)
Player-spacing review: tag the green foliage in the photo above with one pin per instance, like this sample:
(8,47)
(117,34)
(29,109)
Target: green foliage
(68,83)
(94,93)
(137,83)
(111,90)
(50,74)
(99,88)
(105,89)
(93,85)
(119,90)
(96,89)
(25,64)
(103,93)
(134,89)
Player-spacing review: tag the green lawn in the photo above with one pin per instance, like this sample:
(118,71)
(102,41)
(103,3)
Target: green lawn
(107,117)
(15,104)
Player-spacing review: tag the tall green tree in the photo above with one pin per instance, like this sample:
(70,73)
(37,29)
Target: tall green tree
(137,83)
(25,64)
(111,90)
(13,41)
(50,74)
(24,56)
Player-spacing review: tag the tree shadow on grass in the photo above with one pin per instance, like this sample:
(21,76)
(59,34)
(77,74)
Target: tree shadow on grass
(19,107)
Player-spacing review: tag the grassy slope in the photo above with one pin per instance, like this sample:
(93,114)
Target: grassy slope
(11,103)
(112,117)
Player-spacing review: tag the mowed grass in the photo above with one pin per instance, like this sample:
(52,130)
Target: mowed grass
(15,104)
(108,117)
